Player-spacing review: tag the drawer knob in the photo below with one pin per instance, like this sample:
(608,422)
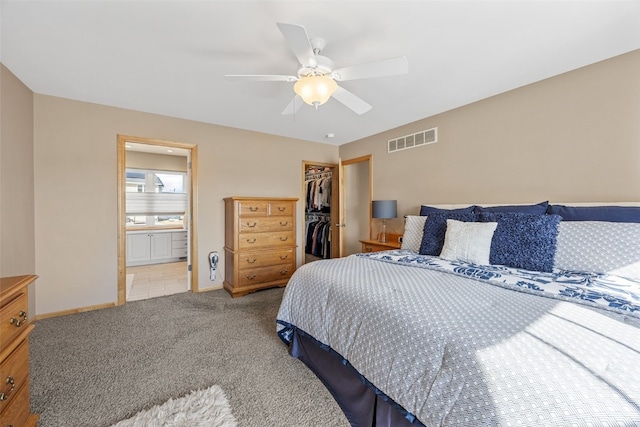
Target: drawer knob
(369,248)
(253,208)
(284,256)
(251,240)
(21,320)
(283,272)
(284,238)
(251,260)
(284,223)
(251,225)
(251,276)
(281,208)
(10,381)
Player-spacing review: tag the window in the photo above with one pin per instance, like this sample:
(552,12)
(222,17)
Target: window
(155,197)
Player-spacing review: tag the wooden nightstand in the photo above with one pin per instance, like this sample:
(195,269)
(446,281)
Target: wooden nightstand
(375,246)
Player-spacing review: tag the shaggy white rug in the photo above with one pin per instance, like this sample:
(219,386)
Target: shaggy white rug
(200,408)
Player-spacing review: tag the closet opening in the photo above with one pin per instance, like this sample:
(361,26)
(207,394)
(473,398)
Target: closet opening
(321,210)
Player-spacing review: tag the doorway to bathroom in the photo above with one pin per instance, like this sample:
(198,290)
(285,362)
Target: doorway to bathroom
(156,218)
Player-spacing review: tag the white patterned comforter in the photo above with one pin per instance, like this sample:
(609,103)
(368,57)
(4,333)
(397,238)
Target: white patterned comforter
(461,345)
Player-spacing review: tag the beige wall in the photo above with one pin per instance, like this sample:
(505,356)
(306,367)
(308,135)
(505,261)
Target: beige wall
(572,138)
(75,190)
(17,241)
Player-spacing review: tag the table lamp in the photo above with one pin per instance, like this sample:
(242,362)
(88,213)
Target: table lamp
(384,210)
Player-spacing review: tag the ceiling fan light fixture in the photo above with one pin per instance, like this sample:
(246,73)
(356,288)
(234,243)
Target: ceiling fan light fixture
(315,90)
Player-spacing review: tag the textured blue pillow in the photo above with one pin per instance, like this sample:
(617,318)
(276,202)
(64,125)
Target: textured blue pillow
(539,209)
(435,227)
(596,213)
(523,240)
(427,210)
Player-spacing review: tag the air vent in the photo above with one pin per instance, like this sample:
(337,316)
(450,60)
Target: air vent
(414,140)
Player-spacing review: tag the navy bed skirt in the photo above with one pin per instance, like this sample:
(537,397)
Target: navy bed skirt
(358,400)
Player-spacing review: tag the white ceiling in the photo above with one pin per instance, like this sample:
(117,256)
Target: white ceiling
(169,57)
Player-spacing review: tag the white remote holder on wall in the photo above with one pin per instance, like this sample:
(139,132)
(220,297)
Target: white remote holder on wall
(213,263)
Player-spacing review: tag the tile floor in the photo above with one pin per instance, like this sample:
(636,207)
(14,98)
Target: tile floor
(156,280)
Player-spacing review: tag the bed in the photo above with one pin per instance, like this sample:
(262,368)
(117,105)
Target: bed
(409,338)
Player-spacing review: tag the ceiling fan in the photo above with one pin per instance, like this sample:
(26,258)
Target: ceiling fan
(317,77)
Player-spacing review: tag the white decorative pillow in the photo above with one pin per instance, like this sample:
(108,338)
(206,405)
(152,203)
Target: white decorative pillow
(413,230)
(468,241)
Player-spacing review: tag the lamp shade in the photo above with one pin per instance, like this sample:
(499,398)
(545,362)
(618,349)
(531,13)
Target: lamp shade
(384,209)
(315,90)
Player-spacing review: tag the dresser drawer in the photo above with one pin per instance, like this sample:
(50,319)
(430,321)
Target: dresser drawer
(179,235)
(14,373)
(175,244)
(267,224)
(371,247)
(250,260)
(281,208)
(252,208)
(13,318)
(259,275)
(178,252)
(260,240)
(179,244)
(18,413)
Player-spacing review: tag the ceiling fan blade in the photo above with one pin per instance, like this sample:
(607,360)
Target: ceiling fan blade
(299,43)
(351,101)
(261,77)
(294,105)
(386,67)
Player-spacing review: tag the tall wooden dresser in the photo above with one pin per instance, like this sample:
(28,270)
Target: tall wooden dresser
(260,243)
(14,352)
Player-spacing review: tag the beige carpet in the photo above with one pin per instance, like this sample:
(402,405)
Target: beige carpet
(97,368)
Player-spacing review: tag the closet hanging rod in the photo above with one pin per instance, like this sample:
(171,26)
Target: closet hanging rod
(310,177)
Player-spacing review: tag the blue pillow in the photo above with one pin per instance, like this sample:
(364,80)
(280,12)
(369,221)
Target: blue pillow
(523,240)
(435,227)
(427,210)
(539,209)
(596,213)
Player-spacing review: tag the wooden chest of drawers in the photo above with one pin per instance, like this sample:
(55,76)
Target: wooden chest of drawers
(260,243)
(14,352)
